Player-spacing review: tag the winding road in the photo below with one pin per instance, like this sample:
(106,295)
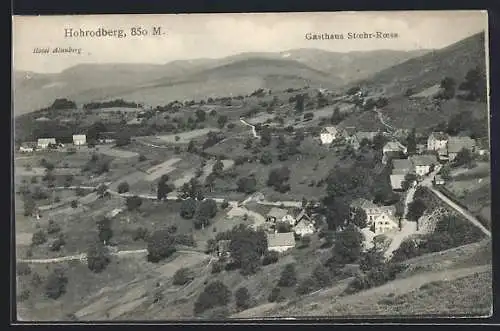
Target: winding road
(254,132)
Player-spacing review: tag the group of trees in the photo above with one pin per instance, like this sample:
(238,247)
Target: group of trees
(111,104)
(247,184)
(164,188)
(278,179)
(202,212)
(473,86)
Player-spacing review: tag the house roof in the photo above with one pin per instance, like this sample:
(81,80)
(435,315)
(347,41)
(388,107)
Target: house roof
(280,239)
(277,213)
(423,160)
(46,140)
(329,129)
(396,181)
(362,203)
(364,134)
(394,146)
(300,213)
(455,144)
(438,136)
(401,164)
(79,136)
(388,217)
(350,130)
(42,119)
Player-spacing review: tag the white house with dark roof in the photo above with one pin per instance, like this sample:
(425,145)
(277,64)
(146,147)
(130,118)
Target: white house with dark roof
(394,146)
(280,242)
(397,181)
(456,144)
(385,222)
(43,143)
(372,210)
(422,164)
(79,139)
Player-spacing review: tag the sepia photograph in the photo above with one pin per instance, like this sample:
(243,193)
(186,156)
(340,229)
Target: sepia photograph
(251,166)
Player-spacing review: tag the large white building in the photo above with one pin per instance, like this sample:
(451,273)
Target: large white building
(280,242)
(44,143)
(79,139)
(437,141)
(328,135)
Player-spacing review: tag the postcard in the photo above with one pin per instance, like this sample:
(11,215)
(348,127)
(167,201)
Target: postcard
(252,166)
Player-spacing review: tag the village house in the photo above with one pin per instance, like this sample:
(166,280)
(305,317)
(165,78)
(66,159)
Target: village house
(79,139)
(401,166)
(456,144)
(437,141)
(304,227)
(27,147)
(438,180)
(222,248)
(357,138)
(372,210)
(280,242)
(43,143)
(393,149)
(397,181)
(385,222)
(423,164)
(328,135)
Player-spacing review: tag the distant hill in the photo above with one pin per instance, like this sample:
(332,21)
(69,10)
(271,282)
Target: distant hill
(429,69)
(187,79)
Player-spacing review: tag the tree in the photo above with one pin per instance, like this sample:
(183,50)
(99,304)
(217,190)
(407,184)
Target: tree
(102,190)
(200,115)
(348,245)
(74,203)
(371,259)
(275,295)
(299,103)
(218,167)
(407,250)
(221,121)
(321,275)
(379,141)
(416,209)
(270,257)
(336,117)
(160,245)
(411,143)
(29,205)
(215,294)
(133,203)
(188,208)
(39,238)
(278,176)
(266,158)
(182,276)
(448,86)
(359,218)
(123,187)
(163,188)
(140,233)
(207,210)
(265,136)
(445,172)
(464,158)
(56,284)
(247,247)
(123,139)
(474,84)
(306,286)
(104,230)
(97,257)
(288,276)
(408,180)
(242,298)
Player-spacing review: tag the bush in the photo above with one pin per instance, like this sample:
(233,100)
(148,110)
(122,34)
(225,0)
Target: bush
(142,158)
(242,297)
(270,257)
(56,284)
(74,204)
(133,203)
(140,233)
(182,277)
(39,238)
(80,191)
(217,267)
(188,208)
(161,244)
(288,276)
(57,244)
(97,257)
(53,227)
(214,295)
(184,239)
(123,187)
(275,295)
(224,204)
(306,286)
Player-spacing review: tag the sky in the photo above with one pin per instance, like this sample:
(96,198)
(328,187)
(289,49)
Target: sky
(192,36)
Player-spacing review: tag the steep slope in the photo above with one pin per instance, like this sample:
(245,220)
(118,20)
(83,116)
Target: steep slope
(429,69)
